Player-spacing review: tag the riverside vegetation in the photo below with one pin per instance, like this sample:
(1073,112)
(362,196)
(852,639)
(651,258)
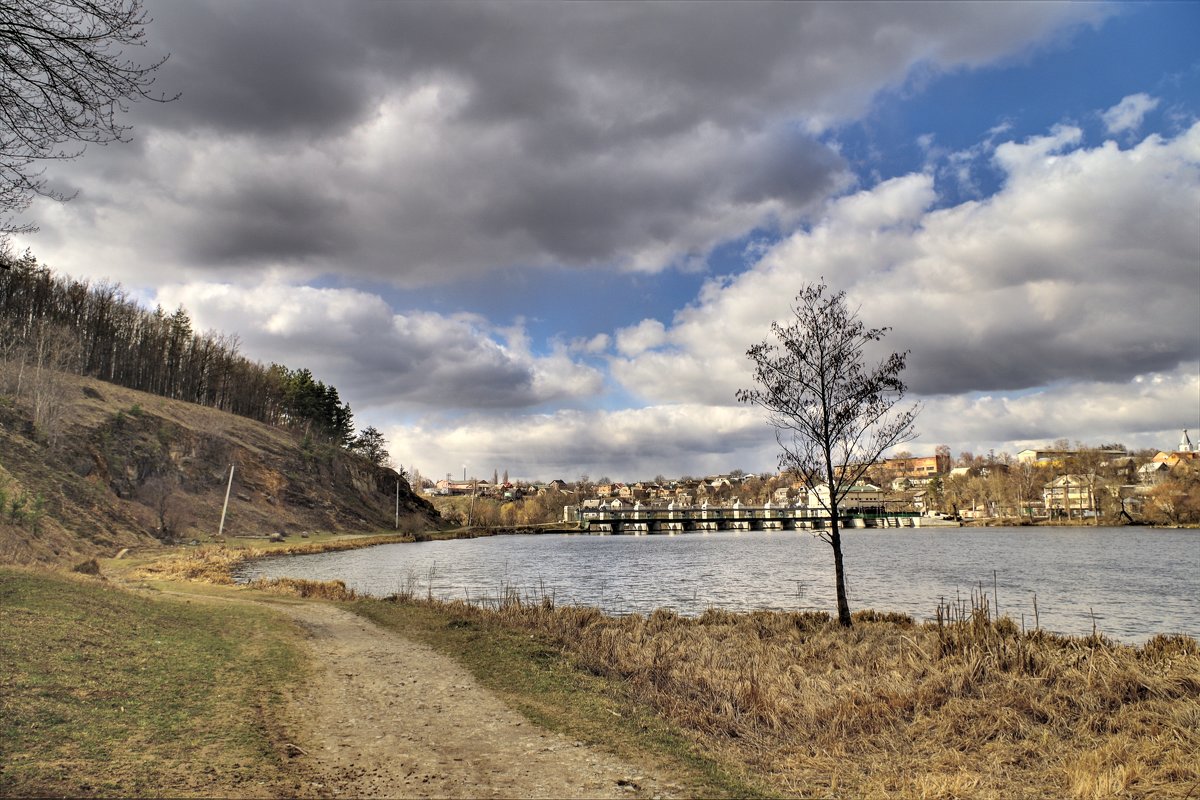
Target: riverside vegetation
(793,704)
(968,707)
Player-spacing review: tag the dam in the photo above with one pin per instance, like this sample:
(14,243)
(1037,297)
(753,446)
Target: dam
(636,520)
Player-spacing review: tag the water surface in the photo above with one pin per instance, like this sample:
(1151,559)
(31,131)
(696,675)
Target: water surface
(1131,583)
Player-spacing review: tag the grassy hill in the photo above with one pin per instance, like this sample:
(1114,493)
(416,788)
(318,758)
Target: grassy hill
(129,469)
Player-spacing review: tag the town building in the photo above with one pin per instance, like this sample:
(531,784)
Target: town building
(1186,452)
(918,466)
(1058,456)
(860,496)
(1069,495)
(1153,473)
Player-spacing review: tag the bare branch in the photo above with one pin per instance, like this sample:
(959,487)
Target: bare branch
(65,79)
(833,417)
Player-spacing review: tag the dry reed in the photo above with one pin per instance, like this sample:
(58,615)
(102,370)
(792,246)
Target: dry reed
(299,587)
(217,563)
(969,706)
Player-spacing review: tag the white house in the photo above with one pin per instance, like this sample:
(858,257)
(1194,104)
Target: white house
(1153,473)
(1068,494)
(860,495)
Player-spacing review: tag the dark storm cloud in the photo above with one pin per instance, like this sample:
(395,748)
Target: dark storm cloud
(261,69)
(442,139)
(269,218)
(1013,361)
(580,212)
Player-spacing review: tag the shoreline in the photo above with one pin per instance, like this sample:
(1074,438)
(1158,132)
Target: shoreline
(775,694)
(224,565)
(251,548)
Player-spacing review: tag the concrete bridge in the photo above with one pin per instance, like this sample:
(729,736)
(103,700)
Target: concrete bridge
(638,520)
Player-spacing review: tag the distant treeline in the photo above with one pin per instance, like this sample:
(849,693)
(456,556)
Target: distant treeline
(98,330)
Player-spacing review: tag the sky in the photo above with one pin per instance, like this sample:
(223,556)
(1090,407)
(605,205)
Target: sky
(540,237)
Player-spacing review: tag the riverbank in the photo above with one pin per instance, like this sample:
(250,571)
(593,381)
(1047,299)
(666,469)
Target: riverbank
(216,563)
(110,693)
(969,706)
(1024,522)
(198,689)
(799,706)
(722,704)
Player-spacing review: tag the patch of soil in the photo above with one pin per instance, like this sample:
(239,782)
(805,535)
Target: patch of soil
(390,717)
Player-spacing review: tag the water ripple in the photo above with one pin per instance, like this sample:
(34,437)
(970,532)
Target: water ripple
(1130,583)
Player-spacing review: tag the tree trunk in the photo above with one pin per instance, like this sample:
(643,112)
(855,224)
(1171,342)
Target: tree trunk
(839,574)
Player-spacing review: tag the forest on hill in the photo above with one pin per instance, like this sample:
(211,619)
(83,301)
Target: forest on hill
(97,330)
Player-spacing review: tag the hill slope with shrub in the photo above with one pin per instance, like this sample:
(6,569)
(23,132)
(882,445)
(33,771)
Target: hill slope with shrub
(123,468)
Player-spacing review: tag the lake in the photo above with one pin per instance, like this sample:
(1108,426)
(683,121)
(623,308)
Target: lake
(1130,582)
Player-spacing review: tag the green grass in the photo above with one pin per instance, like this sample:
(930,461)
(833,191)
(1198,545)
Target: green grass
(107,692)
(549,688)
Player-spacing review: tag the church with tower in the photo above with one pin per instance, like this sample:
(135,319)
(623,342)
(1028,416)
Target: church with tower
(1185,452)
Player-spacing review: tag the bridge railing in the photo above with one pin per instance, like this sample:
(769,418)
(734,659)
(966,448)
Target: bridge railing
(730,512)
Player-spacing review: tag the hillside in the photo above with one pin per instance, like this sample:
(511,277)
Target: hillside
(121,468)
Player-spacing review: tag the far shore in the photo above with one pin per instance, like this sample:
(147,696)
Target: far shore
(238,549)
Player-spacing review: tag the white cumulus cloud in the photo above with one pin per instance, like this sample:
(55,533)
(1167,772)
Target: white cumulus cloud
(1128,114)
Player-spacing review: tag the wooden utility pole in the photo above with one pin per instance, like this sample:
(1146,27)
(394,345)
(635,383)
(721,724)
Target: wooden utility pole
(225,508)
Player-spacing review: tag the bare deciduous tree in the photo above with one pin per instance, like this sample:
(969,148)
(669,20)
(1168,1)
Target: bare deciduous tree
(161,493)
(833,417)
(65,79)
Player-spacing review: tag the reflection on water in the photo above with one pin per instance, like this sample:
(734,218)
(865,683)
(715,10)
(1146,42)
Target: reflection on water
(1132,583)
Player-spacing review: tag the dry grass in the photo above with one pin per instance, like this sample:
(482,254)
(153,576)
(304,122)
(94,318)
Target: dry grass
(216,563)
(209,564)
(970,707)
(299,587)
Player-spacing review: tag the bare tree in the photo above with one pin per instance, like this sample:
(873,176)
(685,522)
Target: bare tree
(833,417)
(161,493)
(53,352)
(1028,479)
(65,78)
(1091,464)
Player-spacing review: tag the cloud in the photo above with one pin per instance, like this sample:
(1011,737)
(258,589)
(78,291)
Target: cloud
(1074,271)
(1147,411)
(424,143)
(594,345)
(637,339)
(698,439)
(415,362)
(459,144)
(631,443)
(1128,114)
(1063,305)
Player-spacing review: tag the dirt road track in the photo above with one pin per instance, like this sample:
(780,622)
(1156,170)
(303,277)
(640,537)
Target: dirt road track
(392,718)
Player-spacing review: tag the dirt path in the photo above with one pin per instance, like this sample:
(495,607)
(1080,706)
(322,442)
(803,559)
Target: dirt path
(392,718)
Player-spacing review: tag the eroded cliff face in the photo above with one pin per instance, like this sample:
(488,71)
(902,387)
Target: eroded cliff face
(127,469)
